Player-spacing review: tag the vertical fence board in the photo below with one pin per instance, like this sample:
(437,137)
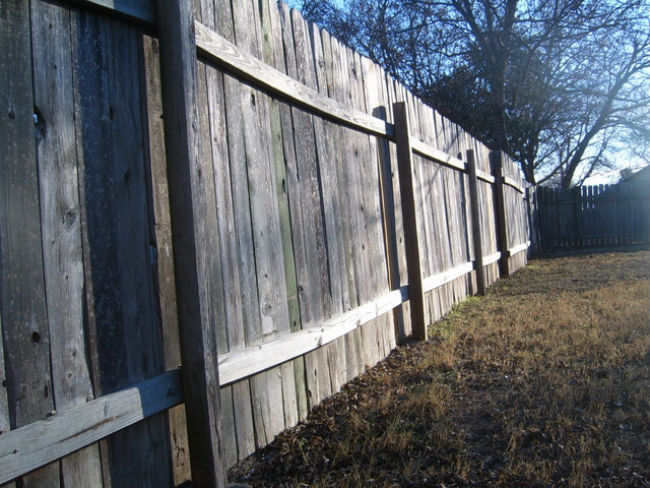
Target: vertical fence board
(164,253)
(309,138)
(378,279)
(213,156)
(60,214)
(266,225)
(125,332)
(285,61)
(349,366)
(324,66)
(273,54)
(24,313)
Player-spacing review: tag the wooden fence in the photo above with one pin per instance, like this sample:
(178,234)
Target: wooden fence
(599,215)
(213,217)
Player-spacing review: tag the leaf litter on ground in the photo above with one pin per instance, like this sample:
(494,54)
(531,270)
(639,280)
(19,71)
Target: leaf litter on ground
(543,382)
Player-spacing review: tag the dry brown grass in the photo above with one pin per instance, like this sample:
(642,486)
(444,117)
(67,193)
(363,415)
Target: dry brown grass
(544,382)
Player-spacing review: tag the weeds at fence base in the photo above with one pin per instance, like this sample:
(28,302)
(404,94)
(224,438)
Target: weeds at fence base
(543,382)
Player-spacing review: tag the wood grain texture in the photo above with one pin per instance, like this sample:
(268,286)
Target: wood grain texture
(404,160)
(273,54)
(188,204)
(430,152)
(329,158)
(431,282)
(60,214)
(236,366)
(24,449)
(316,366)
(404,329)
(267,239)
(375,94)
(358,205)
(24,313)
(285,197)
(375,339)
(164,253)
(284,57)
(124,334)
(326,74)
(224,116)
(216,48)
(348,359)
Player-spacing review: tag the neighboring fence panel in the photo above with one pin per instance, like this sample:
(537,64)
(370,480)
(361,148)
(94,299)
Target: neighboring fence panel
(598,215)
(300,251)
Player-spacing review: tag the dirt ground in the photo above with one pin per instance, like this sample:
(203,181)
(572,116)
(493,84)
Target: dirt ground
(543,382)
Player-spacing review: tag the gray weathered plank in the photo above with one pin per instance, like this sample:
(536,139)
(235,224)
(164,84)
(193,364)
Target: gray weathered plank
(318,379)
(430,152)
(286,173)
(273,54)
(234,222)
(214,47)
(24,314)
(24,449)
(267,238)
(349,366)
(128,328)
(164,253)
(326,72)
(225,288)
(60,221)
(238,365)
(328,160)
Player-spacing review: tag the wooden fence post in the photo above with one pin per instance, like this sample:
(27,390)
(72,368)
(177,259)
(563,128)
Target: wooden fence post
(187,194)
(476,224)
(496,158)
(387,200)
(404,165)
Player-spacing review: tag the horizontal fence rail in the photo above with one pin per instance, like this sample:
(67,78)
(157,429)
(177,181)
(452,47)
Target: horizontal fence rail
(62,433)
(321,215)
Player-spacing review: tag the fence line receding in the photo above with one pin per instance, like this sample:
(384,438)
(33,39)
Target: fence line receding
(259,205)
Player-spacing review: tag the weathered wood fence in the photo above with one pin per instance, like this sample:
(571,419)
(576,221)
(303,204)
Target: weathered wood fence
(213,216)
(599,215)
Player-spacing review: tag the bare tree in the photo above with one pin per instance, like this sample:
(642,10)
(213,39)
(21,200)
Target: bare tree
(558,84)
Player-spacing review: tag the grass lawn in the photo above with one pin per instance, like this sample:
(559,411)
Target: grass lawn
(543,382)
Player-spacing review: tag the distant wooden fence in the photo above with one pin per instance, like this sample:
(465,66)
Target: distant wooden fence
(207,231)
(599,215)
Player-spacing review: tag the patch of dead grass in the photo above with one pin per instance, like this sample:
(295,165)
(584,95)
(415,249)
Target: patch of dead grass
(544,382)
